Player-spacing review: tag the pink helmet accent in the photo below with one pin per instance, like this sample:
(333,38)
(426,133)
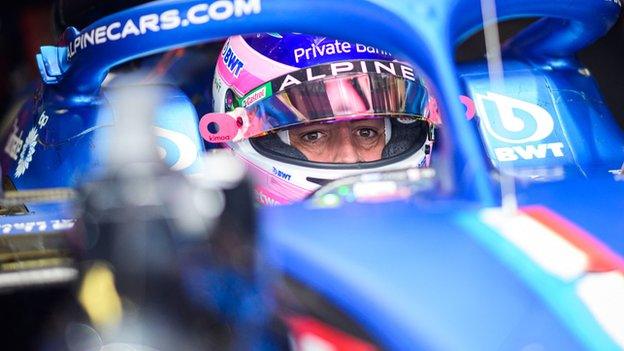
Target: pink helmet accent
(246,63)
(243,68)
(273,190)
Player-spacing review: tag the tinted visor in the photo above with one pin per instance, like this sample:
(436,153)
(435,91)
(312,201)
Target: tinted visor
(337,91)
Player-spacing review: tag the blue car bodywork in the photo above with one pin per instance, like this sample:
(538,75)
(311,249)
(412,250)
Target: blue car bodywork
(452,272)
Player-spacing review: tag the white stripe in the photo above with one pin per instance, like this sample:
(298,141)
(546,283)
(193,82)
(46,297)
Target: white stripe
(311,342)
(544,246)
(492,42)
(42,276)
(603,293)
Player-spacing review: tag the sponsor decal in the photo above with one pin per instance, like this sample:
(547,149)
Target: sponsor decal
(321,49)
(36,226)
(26,227)
(186,149)
(529,152)
(221,127)
(519,123)
(29,146)
(264,199)
(514,121)
(27,153)
(281,174)
(43,120)
(232,62)
(167,20)
(217,90)
(218,83)
(337,68)
(256,95)
(231,126)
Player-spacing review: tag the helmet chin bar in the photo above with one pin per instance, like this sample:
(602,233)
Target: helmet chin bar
(282,180)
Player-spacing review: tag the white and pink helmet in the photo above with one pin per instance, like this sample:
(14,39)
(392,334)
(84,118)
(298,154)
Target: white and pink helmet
(266,83)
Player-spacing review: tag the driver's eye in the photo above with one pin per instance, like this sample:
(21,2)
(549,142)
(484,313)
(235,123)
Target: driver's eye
(367,133)
(312,136)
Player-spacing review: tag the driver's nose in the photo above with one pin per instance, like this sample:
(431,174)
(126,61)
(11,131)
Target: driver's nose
(346,151)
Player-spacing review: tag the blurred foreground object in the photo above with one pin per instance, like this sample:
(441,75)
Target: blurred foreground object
(137,219)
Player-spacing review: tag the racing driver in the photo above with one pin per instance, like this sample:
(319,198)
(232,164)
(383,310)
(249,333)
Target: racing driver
(302,110)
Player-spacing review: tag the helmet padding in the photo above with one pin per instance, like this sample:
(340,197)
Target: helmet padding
(404,136)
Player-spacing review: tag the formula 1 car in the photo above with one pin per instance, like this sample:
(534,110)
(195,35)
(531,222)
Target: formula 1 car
(513,240)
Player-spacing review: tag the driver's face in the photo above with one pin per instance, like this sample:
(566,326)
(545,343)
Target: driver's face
(341,142)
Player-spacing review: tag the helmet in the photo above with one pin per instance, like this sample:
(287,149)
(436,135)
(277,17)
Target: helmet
(266,84)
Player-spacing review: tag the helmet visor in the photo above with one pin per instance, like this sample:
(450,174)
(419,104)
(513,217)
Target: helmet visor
(337,91)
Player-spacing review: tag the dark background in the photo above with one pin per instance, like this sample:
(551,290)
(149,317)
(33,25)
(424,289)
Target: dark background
(24,26)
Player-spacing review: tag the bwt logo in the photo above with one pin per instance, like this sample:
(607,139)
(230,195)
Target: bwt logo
(232,62)
(519,123)
(183,152)
(281,174)
(511,120)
